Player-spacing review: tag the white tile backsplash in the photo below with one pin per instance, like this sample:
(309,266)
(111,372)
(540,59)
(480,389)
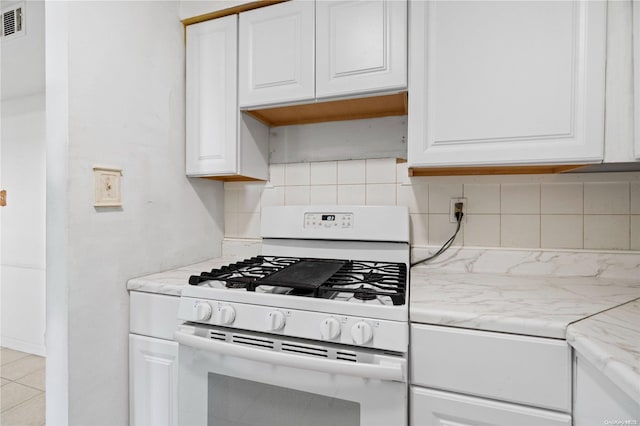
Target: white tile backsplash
(415,197)
(482,230)
(297,174)
(323,194)
(561,231)
(351,194)
(380,170)
(606,232)
(606,198)
(296,195)
(635,198)
(520,230)
(352,172)
(482,198)
(440,230)
(272,196)
(561,198)
(571,211)
(440,195)
(520,198)
(276,174)
(419,224)
(324,173)
(381,194)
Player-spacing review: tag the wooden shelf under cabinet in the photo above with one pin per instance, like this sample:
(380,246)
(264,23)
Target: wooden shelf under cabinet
(323,111)
(493,170)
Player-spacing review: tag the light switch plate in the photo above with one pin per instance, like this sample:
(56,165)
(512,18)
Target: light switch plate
(106,181)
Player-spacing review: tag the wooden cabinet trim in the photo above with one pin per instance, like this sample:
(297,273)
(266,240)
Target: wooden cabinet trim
(230,11)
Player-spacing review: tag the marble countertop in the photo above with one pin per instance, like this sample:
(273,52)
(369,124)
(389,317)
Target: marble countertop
(611,342)
(535,306)
(172,281)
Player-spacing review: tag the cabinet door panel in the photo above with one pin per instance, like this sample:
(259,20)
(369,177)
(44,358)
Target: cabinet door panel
(507,82)
(361,46)
(277,54)
(211,110)
(153,381)
(435,408)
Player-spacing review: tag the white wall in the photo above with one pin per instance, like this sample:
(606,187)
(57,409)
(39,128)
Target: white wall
(22,153)
(115,96)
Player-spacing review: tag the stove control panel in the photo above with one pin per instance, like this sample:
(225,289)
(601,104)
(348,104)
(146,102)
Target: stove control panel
(328,220)
(328,327)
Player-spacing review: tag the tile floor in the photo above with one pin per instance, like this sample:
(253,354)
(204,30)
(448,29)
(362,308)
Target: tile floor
(22,388)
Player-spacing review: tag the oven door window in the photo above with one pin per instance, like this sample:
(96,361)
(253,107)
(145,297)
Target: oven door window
(239,402)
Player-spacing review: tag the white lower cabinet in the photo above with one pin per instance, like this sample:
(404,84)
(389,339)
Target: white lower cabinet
(153,359)
(153,381)
(598,401)
(469,377)
(436,408)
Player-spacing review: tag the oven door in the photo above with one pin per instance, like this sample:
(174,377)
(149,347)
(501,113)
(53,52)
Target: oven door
(236,378)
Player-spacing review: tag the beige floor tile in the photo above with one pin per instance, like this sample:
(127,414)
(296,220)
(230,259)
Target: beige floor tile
(4,381)
(35,379)
(29,413)
(9,355)
(14,394)
(22,367)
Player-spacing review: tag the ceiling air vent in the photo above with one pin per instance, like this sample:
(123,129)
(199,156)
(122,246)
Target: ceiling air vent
(12,22)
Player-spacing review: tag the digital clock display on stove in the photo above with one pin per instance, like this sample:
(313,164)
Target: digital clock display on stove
(329,217)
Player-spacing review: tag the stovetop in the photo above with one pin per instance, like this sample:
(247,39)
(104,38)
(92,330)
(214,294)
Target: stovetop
(375,282)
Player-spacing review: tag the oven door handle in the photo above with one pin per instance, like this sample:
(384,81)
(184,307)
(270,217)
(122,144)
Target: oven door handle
(389,371)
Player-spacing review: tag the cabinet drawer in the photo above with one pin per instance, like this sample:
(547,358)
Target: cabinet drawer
(436,408)
(527,370)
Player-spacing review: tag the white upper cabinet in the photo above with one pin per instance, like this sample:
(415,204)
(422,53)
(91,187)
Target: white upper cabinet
(277,54)
(300,51)
(361,46)
(220,142)
(506,82)
(212,102)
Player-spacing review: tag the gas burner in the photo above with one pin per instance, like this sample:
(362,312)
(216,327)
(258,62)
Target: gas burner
(365,293)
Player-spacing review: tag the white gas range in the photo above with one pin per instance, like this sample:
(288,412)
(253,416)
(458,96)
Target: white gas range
(316,328)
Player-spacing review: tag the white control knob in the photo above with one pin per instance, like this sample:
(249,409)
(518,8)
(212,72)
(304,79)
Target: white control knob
(226,315)
(276,321)
(202,311)
(361,332)
(329,328)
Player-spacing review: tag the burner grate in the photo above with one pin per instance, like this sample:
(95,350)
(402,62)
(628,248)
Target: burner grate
(324,278)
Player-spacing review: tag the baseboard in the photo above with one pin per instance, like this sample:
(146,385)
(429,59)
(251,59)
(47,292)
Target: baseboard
(22,346)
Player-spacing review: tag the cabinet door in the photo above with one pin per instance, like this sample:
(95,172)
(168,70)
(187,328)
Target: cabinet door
(435,408)
(499,83)
(361,46)
(153,381)
(212,107)
(277,54)
(597,400)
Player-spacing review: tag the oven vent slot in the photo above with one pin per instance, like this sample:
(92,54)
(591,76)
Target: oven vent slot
(216,335)
(252,341)
(346,356)
(304,349)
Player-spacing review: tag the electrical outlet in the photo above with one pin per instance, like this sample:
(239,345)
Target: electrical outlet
(452,209)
